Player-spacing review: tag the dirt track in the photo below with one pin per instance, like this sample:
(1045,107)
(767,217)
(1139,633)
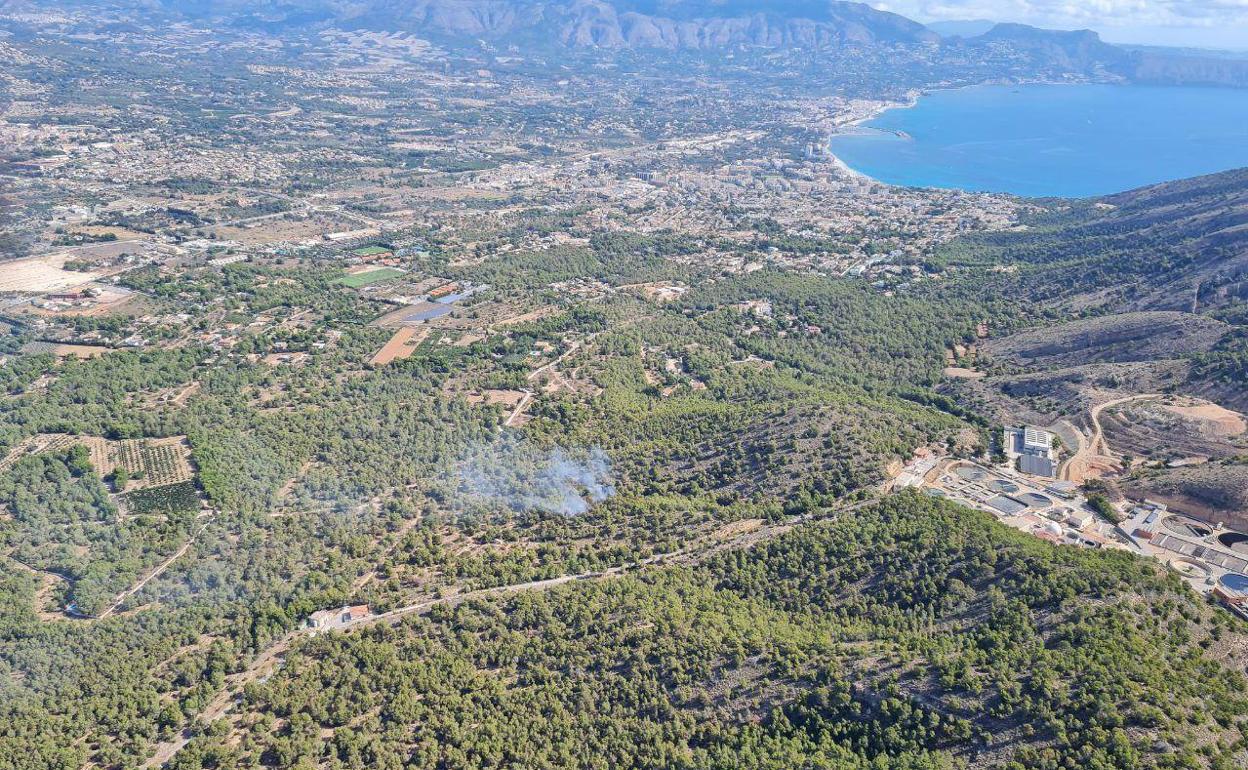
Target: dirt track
(1096,452)
(160,568)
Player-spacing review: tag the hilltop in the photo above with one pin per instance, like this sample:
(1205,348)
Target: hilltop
(1173,246)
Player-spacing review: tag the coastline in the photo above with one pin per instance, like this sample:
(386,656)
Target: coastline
(849,171)
(853,131)
(872,110)
(877,108)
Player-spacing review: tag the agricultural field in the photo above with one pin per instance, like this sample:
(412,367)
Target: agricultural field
(39,275)
(44,442)
(148,462)
(157,463)
(170,498)
(437,338)
(65,524)
(401,345)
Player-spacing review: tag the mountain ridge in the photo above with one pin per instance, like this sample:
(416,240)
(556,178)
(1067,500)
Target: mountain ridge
(611,24)
(699,26)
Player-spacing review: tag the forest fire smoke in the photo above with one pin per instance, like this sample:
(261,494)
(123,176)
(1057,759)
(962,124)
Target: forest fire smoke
(516,474)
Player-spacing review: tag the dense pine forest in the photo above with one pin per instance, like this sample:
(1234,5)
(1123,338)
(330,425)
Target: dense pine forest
(912,635)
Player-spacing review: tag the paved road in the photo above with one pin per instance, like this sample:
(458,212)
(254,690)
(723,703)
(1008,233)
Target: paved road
(267,662)
(270,660)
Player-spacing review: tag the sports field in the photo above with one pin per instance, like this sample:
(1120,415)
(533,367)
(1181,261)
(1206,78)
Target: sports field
(360,280)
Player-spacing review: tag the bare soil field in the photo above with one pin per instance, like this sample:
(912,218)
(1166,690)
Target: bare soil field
(535,315)
(659,291)
(507,398)
(736,528)
(1175,428)
(280,229)
(960,373)
(65,351)
(122,233)
(40,275)
(107,249)
(111,299)
(401,345)
(1213,419)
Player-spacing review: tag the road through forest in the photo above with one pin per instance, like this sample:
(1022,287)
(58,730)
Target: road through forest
(270,660)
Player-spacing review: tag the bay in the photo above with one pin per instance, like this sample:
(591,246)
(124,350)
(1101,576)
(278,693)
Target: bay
(1052,140)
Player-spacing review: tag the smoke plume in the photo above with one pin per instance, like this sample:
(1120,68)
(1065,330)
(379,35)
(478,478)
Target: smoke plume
(513,473)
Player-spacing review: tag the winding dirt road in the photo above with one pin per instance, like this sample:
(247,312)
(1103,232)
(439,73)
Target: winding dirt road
(1096,451)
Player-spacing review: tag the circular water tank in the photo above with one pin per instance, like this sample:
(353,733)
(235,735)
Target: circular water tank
(971,473)
(1235,584)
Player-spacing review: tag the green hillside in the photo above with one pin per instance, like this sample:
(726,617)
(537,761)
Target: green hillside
(912,635)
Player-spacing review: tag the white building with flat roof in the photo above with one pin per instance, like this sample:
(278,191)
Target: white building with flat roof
(1031,449)
(1036,442)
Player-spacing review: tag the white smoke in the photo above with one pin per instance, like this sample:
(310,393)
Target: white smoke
(514,473)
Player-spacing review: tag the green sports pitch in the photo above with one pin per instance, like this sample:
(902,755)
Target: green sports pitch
(372,276)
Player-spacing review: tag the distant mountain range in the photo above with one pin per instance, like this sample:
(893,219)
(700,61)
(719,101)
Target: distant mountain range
(697,25)
(961,27)
(663,24)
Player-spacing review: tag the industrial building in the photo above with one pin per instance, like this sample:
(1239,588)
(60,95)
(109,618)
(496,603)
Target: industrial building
(1232,591)
(1032,449)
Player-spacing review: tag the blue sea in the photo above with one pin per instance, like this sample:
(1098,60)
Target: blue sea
(1053,140)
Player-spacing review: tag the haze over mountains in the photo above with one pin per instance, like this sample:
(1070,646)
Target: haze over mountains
(700,26)
(671,24)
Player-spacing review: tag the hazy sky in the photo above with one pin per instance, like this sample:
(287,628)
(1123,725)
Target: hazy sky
(1209,23)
